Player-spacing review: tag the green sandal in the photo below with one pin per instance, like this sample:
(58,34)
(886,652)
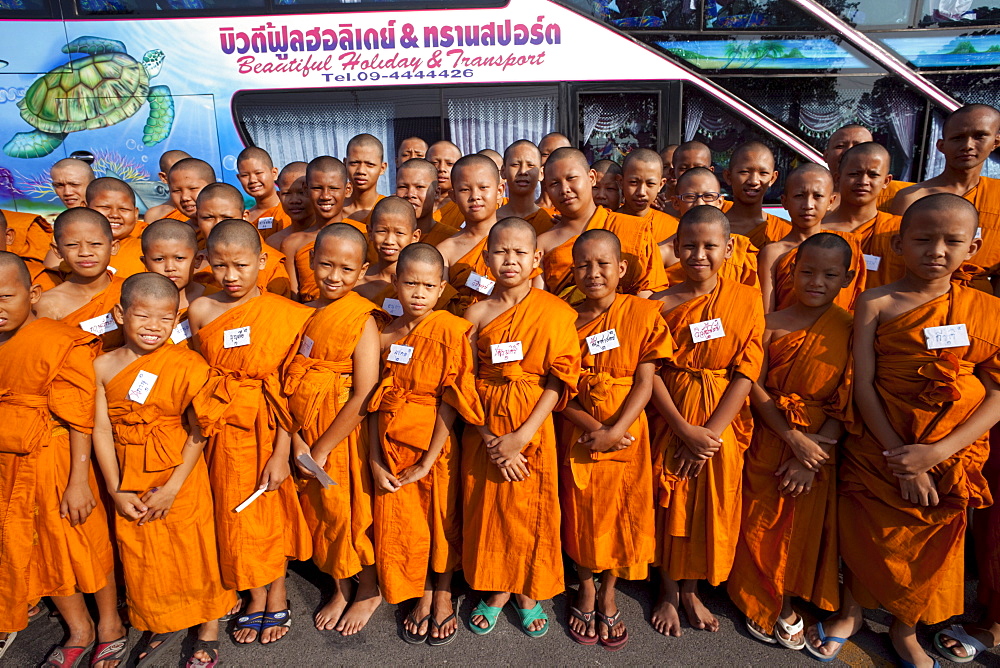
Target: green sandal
(530,615)
(489,613)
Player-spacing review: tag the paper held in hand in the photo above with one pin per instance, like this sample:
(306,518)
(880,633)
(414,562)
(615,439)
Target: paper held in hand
(250,499)
(310,465)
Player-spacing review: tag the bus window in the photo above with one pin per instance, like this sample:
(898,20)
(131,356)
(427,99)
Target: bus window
(22,8)
(613,124)
(959,12)
(111,7)
(653,14)
(970,89)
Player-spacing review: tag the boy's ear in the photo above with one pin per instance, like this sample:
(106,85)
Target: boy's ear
(726,176)
(622,268)
(163,176)
(118,313)
(896,243)
(730,244)
(538,258)
(774,177)
(246,215)
(34,293)
(9,237)
(416,235)
(848,278)
(274,173)
(975,246)
(263,261)
(348,188)
(115,246)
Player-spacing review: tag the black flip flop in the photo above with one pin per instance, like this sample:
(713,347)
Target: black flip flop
(164,640)
(209,646)
(438,642)
(416,638)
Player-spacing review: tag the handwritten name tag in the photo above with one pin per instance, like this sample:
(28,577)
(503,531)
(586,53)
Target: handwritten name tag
(480,283)
(235,338)
(306,347)
(946,336)
(102,324)
(506,352)
(707,330)
(400,354)
(607,340)
(112,269)
(872,262)
(392,307)
(141,387)
(265,223)
(979,233)
(181,333)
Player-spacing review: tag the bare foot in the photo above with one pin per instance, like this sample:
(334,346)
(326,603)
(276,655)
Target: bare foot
(586,600)
(666,617)
(698,615)
(836,626)
(235,610)
(497,600)
(257,603)
(277,600)
(418,621)
(327,617)
(443,609)
(359,612)
(985,636)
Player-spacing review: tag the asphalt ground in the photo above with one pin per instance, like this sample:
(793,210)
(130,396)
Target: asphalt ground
(380,642)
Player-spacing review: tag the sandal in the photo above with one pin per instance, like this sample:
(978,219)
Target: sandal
(209,646)
(760,635)
(416,638)
(612,644)
(252,621)
(957,632)
(7,642)
(110,651)
(530,615)
(586,618)
(489,613)
(790,630)
(163,639)
(67,657)
(273,619)
(823,639)
(438,642)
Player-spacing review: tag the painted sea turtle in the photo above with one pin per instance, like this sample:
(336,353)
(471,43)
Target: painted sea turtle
(103,88)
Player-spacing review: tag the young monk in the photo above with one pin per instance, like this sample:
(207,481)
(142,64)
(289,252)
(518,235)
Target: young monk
(750,173)
(185,180)
(168,159)
(295,203)
(328,385)
(170,248)
(841,140)
(495,157)
(667,156)
(642,179)
(115,200)
(410,148)
(697,449)
(546,147)
(687,156)
(416,182)
(365,164)
(249,337)
(970,134)
(443,155)
(569,181)
(526,368)
(149,446)
(606,492)
(913,469)
(428,379)
(788,537)
(55,540)
(477,189)
(328,186)
(392,227)
(257,173)
(807,197)
(82,238)
(521,171)
(608,191)
(218,202)
(70,178)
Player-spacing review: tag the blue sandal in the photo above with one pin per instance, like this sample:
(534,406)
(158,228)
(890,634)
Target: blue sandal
(823,639)
(272,619)
(489,613)
(530,615)
(252,621)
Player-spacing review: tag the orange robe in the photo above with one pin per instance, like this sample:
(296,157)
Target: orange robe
(886,197)
(239,410)
(419,526)
(308,290)
(32,234)
(541,220)
(904,557)
(662,225)
(769,231)
(459,273)
(511,529)
(784,289)
(317,385)
(98,307)
(171,565)
(438,233)
(271,220)
(740,267)
(450,215)
(788,545)
(607,497)
(986,198)
(699,519)
(986,529)
(175,214)
(127,261)
(272,278)
(47,381)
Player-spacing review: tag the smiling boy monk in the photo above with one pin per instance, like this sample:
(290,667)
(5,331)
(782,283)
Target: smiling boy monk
(788,537)
(184,180)
(927,398)
(149,447)
(83,239)
(607,491)
(55,538)
(170,248)
(365,162)
(392,227)
(249,337)
(443,155)
(416,182)
(641,181)
(750,173)
(526,369)
(522,164)
(257,173)
(428,378)
(115,200)
(328,385)
(697,452)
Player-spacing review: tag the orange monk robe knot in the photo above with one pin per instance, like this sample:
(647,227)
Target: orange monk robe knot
(796,408)
(943,374)
(30,412)
(146,428)
(232,399)
(600,386)
(324,379)
(403,446)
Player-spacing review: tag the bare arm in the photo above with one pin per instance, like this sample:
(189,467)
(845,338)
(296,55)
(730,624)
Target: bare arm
(442,429)
(766,271)
(128,505)
(616,436)
(78,500)
(867,400)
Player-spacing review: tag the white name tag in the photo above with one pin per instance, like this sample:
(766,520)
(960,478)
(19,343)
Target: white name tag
(181,333)
(507,352)
(265,223)
(602,341)
(400,354)
(141,387)
(872,262)
(102,324)
(707,330)
(480,283)
(392,307)
(946,336)
(112,270)
(979,233)
(235,338)
(306,347)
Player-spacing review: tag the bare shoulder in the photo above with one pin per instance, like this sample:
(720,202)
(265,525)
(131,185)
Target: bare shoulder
(476,312)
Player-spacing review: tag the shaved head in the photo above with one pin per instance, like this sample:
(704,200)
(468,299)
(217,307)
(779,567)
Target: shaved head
(603,167)
(868,149)
(420,253)
(290,173)
(171,158)
(80,215)
(148,285)
(946,206)
(410,148)
(78,166)
(233,232)
(644,156)
(255,153)
(365,141)
(222,192)
(974,110)
(494,156)
(694,173)
(691,154)
(827,241)
(551,142)
(843,139)
(107,184)
(522,144)
(420,165)
(573,154)
(344,233)
(809,169)
(605,237)
(512,223)
(326,164)
(444,148)
(703,214)
(751,148)
(168,229)
(394,206)
(11,262)
(473,161)
(199,168)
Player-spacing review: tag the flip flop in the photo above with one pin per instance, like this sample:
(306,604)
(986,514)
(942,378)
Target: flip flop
(612,644)
(416,638)
(586,618)
(252,621)
(489,613)
(790,630)
(760,635)
(438,642)
(530,615)
(164,640)
(209,646)
(7,642)
(110,651)
(957,632)
(273,619)
(67,657)
(823,639)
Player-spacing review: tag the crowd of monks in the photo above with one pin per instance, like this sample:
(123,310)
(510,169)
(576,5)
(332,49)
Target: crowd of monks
(516,357)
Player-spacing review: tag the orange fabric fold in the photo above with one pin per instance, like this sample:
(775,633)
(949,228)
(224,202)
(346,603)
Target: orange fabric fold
(450,215)
(279,220)
(101,305)
(770,230)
